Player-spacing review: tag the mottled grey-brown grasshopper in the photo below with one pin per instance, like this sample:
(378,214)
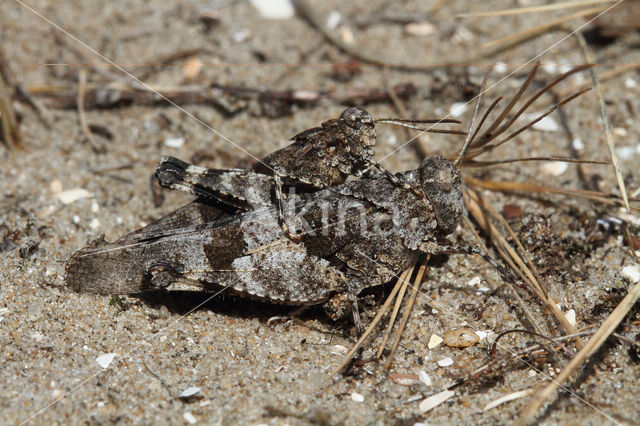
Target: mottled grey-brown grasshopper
(317,158)
(354,235)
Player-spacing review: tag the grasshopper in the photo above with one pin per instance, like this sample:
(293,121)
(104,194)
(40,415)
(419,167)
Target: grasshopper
(317,158)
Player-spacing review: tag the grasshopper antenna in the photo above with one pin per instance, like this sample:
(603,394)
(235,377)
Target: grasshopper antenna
(470,133)
(411,124)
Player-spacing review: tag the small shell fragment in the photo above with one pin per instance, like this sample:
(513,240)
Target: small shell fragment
(190,418)
(547,124)
(174,142)
(570,315)
(457,109)
(554,168)
(435,400)
(356,397)
(460,337)
(105,360)
(446,362)
(189,392)
(273,9)
(506,398)
(71,195)
(419,29)
(632,273)
(434,341)
(424,377)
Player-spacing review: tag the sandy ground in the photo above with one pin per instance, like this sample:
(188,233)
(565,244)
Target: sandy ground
(248,370)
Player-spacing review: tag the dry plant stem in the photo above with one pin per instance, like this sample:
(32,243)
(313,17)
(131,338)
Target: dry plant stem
(306,12)
(514,237)
(535,9)
(473,205)
(531,350)
(10,131)
(394,314)
(12,81)
(82,84)
(407,312)
(470,133)
(514,40)
(402,112)
(374,323)
(605,330)
(545,189)
(530,319)
(566,100)
(61,97)
(489,134)
(476,163)
(605,76)
(605,119)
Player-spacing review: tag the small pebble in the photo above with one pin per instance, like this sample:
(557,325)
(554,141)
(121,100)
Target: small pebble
(333,20)
(71,195)
(174,142)
(500,68)
(554,168)
(446,362)
(435,400)
(483,334)
(550,68)
(273,9)
(419,29)
(511,211)
(347,35)
(356,397)
(457,109)
(632,272)
(577,144)
(105,360)
(547,124)
(625,152)
(620,131)
(191,70)
(630,83)
(56,186)
(189,392)
(94,224)
(475,281)
(434,341)
(460,337)
(241,35)
(424,377)
(189,418)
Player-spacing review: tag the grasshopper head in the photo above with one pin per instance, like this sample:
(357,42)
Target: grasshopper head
(442,185)
(358,127)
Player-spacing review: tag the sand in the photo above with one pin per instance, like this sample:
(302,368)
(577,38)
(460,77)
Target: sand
(249,370)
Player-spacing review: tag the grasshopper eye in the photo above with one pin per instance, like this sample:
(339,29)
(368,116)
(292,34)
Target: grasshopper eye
(354,117)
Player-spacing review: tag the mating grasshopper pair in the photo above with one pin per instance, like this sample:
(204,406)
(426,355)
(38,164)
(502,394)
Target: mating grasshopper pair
(349,235)
(353,234)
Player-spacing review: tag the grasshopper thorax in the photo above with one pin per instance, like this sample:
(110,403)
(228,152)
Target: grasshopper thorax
(440,180)
(358,128)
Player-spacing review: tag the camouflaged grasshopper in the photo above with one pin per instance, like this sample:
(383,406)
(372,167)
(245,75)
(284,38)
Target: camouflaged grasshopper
(353,235)
(317,158)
